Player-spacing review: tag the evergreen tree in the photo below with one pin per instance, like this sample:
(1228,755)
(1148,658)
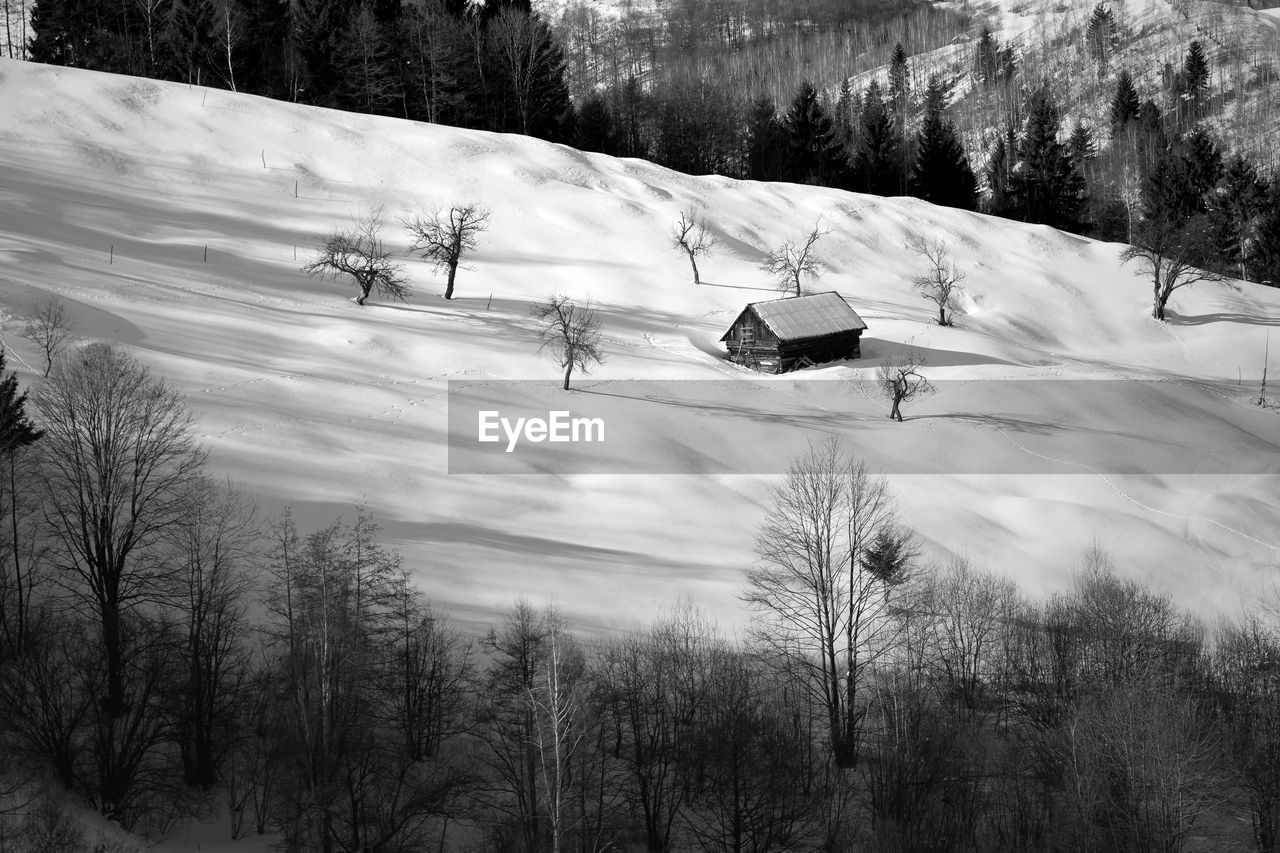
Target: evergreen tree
(1192,84)
(986,57)
(1203,165)
(440,76)
(848,106)
(766,148)
(16,432)
(878,163)
(596,130)
(941,172)
(264,47)
(899,86)
(1236,210)
(1081,146)
(814,153)
(1046,187)
(1168,198)
(317,36)
(1000,165)
(16,429)
(92,34)
(367,81)
(1100,35)
(1125,109)
(192,41)
(1265,266)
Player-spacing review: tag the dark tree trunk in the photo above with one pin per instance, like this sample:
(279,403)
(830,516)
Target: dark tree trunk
(112,641)
(448,288)
(568,369)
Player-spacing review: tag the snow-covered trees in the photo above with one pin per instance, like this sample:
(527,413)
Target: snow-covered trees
(570,332)
(442,237)
(359,254)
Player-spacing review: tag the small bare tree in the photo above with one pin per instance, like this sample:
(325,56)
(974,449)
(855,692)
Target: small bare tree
(358,252)
(442,238)
(793,259)
(49,329)
(571,331)
(940,284)
(690,235)
(1172,257)
(901,380)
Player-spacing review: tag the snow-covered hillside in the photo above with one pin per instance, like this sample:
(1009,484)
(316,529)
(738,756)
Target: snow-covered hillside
(111,188)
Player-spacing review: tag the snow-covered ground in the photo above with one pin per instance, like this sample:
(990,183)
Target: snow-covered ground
(112,187)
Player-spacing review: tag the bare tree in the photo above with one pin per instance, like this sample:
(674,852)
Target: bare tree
(940,284)
(571,332)
(18,552)
(358,252)
(443,238)
(826,617)
(555,700)
(49,329)
(656,687)
(968,609)
(1173,258)
(231,27)
(524,48)
(690,235)
(117,453)
(901,380)
(794,259)
(1140,768)
(211,546)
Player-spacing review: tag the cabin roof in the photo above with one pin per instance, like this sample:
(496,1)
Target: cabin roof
(801,317)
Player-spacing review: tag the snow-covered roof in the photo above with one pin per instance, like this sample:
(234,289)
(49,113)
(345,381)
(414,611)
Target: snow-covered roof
(801,317)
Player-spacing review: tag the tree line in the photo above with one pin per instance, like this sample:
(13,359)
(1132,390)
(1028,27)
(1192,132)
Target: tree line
(495,66)
(166,652)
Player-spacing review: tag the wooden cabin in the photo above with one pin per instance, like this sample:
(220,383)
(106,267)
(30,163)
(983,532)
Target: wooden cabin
(783,334)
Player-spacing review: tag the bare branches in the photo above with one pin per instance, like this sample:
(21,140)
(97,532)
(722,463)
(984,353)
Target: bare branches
(793,259)
(49,329)
(690,235)
(901,380)
(1172,258)
(442,238)
(359,253)
(940,284)
(825,596)
(572,332)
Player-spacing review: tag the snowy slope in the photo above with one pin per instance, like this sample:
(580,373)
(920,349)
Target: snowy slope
(310,400)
